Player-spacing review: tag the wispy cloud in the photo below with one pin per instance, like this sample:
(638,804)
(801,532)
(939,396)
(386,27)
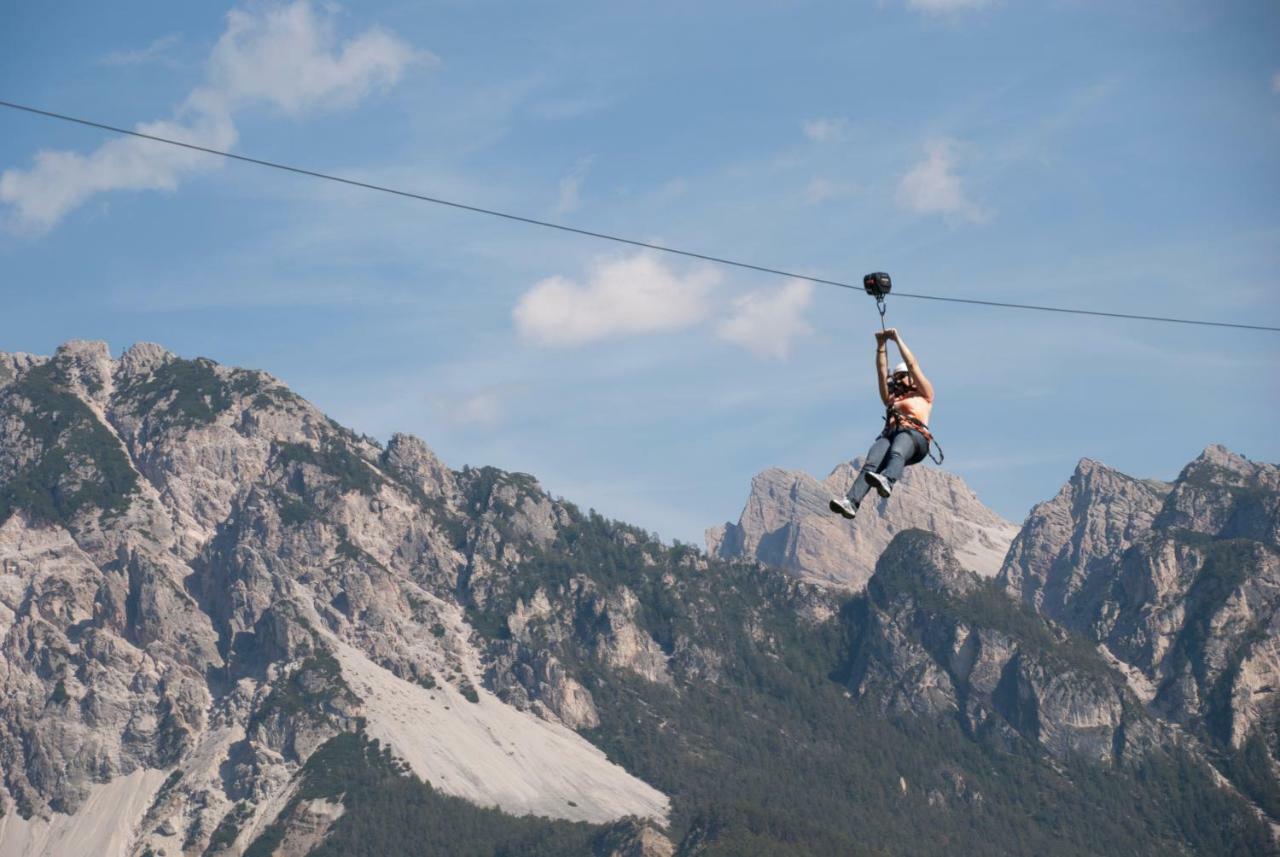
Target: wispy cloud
(766,323)
(483,408)
(1275,83)
(568,107)
(826,130)
(571,185)
(945,6)
(672,190)
(157,51)
(620,297)
(821,190)
(59,182)
(933,187)
(287,57)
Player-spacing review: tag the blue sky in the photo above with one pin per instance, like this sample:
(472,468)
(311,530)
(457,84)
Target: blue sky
(1120,156)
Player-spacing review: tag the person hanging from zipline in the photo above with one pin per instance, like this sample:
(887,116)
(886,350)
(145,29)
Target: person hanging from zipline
(908,399)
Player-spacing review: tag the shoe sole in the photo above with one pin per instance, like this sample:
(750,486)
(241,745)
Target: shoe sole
(878,482)
(839,510)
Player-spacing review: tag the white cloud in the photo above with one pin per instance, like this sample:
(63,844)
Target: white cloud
(483,409)
(672,190)
(932,187)
(821,190)
(943,6)
(765,323)
(826,130)
(620,297)
(290,57)
(570,186)
(569,107)
(287,57)
(157,51)
(59,182)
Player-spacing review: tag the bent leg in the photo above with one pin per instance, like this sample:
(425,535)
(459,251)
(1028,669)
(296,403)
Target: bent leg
(903,448)
(873,463)
(922,448)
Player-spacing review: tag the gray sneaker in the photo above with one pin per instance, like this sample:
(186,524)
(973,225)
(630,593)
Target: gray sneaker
(883,486)
(842,506)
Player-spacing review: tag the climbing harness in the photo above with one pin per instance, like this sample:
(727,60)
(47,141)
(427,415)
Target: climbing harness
(879,285)
(895,419)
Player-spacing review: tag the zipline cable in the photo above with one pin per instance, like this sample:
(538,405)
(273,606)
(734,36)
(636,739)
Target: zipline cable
(604,236)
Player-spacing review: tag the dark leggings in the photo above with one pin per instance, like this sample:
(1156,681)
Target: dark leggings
(889,456)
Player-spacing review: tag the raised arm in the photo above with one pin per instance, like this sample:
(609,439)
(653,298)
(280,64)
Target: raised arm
(882,366)
(926,389)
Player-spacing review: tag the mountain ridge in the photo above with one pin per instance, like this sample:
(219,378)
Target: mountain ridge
(786,524)
(196,639)
(177,569)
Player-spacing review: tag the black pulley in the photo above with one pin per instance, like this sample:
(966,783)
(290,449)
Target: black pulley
(878,284)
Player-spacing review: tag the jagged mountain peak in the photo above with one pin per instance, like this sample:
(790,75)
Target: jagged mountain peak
(1223,493)
(1088,469)
(86,368)
(413,460)
(786,524)
(1094,518)
(142,359)
(1088,465)
(1217,455)
(1091,472)
(95,349)
(14,365)
(83,352)
(1180,582)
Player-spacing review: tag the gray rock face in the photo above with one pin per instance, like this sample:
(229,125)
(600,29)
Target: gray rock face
(200,571)
(1180,583)
(786,524)
(1226,496)
(942,642)
(628,839)
(1093,520)
(418,466)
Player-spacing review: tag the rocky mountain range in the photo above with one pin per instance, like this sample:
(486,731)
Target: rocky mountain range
(1180,585)
(786,524)
(228,625)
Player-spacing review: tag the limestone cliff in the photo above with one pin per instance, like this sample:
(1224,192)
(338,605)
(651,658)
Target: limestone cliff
(786,524)
(203,579)
(940,641)
(1180,583)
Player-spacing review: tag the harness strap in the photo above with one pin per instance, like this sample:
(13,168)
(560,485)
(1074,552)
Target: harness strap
(893,417)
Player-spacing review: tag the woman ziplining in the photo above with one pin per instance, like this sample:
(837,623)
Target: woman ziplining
(908,399)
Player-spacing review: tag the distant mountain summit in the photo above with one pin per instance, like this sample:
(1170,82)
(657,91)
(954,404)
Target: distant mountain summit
(786,524)
(231,626)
